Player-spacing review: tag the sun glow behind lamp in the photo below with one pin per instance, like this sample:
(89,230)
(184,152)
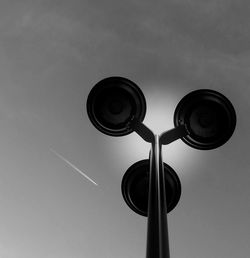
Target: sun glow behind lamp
(204,119)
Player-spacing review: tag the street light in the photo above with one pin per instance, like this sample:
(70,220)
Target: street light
(112,103)
(204,119)
(209,118)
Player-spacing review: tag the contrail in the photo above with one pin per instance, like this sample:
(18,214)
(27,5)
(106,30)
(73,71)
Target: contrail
(73,166)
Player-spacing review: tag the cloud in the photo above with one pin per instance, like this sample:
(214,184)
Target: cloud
(220,25)
(189,41)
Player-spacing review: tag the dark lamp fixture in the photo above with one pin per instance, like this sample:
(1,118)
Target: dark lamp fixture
(135,185)
(112,103)
(204,119)
(209,118)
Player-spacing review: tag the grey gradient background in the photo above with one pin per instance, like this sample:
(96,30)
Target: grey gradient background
(51,54)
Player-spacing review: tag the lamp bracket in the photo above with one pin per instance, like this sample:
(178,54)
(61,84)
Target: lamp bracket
(173,134)
(142,130)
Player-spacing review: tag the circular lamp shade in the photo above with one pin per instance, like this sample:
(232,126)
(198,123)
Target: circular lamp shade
(209,117)
(135,187)
(112,103)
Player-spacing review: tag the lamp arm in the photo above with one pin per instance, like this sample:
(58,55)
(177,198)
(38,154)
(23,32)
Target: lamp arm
(173,134)
(142,130)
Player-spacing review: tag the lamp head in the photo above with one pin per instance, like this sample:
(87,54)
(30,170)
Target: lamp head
(135,187)
(209,118)
(112,103)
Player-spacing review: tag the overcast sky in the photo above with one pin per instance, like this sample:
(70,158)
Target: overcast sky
(51,55)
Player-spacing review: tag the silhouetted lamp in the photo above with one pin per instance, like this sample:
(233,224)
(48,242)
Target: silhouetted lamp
(209,118)
(135,185)
(112,103)
(204,119)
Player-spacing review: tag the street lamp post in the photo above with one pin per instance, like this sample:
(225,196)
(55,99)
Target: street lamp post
(157,233)
(204,119)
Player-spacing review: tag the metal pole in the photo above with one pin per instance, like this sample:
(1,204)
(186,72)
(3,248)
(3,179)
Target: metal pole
(157,234)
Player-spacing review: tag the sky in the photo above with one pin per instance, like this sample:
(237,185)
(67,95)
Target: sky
(51,54)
